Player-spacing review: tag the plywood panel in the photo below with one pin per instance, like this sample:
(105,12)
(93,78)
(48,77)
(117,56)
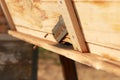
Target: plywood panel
(100,21)
(36,33)
(35,14)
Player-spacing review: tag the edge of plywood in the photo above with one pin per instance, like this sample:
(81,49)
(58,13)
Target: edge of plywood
(89,59)
(7,14)
(73,25)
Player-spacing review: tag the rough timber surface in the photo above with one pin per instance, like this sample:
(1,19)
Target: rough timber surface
(36,14)
(39,16)
(67,51)
(99,18)
(100,21)
(101,27)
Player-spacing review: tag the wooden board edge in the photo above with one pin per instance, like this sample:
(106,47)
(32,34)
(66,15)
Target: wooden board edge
(7,14)
(36,33)
(73,25)
(93,60)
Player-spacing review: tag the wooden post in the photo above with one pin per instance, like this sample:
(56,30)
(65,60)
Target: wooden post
(69,68)
(76,35)
(35,63)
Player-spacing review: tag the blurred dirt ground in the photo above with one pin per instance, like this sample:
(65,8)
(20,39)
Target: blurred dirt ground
(15,60)
(49,68)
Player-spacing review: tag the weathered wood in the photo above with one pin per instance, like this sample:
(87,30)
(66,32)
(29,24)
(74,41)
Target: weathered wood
(34,14)
(103,40)
(74,29)
(98,25)
(100,21)
(76,36)
(59,31)
(101,29)
(69,68)
(7,14)
(87,58)
(72,25)
(36,33)
(106,52)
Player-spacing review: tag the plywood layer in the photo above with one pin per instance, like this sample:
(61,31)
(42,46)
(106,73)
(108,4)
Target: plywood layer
(34,14)
(99,20)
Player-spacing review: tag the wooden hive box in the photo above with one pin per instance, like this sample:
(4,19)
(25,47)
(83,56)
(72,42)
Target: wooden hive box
(99,21)
(101,27)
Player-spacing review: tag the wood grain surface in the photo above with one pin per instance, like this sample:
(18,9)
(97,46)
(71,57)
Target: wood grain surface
(99,20)
(34,14)
(93,60)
